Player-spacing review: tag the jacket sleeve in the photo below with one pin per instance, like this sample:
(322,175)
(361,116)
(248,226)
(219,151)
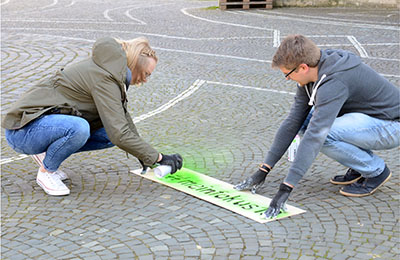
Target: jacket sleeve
(289,127)
(121,131)
(330,98)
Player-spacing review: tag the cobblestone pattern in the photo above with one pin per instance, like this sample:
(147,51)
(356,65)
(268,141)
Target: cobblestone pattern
(222,129)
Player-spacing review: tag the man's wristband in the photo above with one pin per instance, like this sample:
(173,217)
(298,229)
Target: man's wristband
(285,188)
(264,167)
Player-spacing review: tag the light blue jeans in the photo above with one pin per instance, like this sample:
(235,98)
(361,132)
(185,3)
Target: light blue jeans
(59,136)
(352,138)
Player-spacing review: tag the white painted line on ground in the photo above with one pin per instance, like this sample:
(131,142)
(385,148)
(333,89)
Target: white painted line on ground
(5,2)
(366,14)
(231,12)
(327,36)
(50,5)
(277,38)
(330,18)
(130,7)
(212,55)
(382,44)
(196,53)
(391,75)
(184,11)
(358,46)
(114,31)
(105,14)
(133,18)
(12,159)
(384,59)
(319,21)
(68,22)
(71,4)
(335,45)
(249,87)
(195,86)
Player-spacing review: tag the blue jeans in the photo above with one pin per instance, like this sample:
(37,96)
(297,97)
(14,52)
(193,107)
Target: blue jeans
(352,138)
(57,135)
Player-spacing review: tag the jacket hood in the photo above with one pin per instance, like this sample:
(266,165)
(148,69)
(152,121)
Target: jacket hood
(333,61)
(108,54)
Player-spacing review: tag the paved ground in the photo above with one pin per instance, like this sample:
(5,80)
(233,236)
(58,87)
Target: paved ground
(222,128)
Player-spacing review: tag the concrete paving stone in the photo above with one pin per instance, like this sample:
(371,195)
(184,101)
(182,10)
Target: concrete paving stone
(53,251)
(340,257)
(33,252)
(222,251)
(145,257)
(207,251)
(140,250)
(18,256)
(306,257)
(68,256)
(97,248)
(92,257)
(82,251)
(220,257)
(125,248)
(71,247)
(251,257)
(234,256)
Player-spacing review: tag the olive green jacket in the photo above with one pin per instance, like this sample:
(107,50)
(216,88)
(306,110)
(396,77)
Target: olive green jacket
(93,89)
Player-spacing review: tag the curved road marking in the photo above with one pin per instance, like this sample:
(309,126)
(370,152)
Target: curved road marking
(50,5)
(127,14)
(357,45)
(5,2)
(184,11)
(330,18)
(195,86)
(317,21)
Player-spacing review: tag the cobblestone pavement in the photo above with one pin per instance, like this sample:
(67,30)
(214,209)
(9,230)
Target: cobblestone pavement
(222,128)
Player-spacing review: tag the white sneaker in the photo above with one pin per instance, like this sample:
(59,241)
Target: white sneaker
(61,175)
(51,184)
(38,158)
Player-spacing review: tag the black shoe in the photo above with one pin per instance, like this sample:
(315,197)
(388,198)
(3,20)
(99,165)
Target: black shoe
(350,177)
(253,182)
(366,186)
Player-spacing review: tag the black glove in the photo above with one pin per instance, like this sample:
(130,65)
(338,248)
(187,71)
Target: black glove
(278,202)
(173,160)
(255,181)
(144,168)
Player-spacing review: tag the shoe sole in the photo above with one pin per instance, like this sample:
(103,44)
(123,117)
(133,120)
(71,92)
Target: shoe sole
(365,194)
(344,182)
(52,193)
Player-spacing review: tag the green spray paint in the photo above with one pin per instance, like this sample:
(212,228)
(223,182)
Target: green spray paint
(194,183)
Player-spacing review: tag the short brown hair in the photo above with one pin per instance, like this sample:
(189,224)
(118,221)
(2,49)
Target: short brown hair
(294,50)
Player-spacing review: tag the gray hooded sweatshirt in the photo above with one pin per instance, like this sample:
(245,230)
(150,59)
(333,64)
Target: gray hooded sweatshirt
(345,85)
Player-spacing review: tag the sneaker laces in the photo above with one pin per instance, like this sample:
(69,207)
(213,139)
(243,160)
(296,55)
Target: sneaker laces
(362,181)
(54,179)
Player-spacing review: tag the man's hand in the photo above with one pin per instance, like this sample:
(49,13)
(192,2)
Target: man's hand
(173,160)
(255,181)
(278,202)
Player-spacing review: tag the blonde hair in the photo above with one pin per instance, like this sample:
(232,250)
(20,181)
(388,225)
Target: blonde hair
(295,50)
(137,52)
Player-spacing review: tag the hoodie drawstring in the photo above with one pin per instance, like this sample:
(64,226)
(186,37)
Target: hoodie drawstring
(314,92)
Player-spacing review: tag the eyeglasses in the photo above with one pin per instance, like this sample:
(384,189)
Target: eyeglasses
(290,72)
